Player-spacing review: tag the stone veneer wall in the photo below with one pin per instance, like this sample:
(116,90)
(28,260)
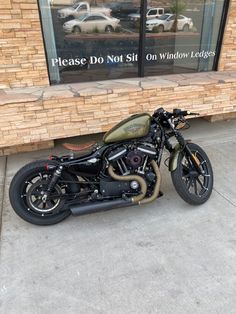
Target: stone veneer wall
(33,115)
(22,57)
(22,54)
(227,60)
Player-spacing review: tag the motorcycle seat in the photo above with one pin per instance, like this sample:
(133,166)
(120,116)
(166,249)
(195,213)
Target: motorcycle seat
(78,148)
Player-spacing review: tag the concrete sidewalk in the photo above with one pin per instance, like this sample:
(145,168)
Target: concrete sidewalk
(166,257)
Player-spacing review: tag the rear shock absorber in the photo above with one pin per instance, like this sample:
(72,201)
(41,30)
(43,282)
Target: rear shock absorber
(54,179)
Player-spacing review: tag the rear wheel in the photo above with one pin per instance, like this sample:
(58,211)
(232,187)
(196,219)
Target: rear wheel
(193,187)
(27,190)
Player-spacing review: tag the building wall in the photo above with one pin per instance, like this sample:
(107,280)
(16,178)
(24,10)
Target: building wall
(32,113)
(22,54)
(227,60)
(78,109)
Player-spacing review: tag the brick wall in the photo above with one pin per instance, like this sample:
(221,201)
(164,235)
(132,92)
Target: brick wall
(21,46)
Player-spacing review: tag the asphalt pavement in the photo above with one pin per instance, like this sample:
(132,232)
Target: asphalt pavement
(165,257)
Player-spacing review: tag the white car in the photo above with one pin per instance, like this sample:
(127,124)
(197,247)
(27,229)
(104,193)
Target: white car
(89,23)
(165,22)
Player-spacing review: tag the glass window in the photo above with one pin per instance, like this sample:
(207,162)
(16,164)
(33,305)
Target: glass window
(99,40)
(184,44)
(90,41)
(152,12)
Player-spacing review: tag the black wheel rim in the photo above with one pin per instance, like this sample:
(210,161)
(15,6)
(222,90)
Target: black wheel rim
(32,190)
(196,183)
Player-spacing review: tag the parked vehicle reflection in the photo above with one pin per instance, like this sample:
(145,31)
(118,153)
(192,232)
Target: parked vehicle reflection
(166,21)
(91,23)
(81,8)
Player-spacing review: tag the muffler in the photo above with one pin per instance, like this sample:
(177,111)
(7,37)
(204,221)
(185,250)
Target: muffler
(93,207)
(98,206)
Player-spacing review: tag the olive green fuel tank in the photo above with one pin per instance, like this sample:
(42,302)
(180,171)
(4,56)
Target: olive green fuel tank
(137,125)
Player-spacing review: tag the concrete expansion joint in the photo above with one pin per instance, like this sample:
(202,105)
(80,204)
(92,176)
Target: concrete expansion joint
(224,197)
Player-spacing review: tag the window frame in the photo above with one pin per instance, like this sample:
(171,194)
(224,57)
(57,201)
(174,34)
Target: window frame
(142,38)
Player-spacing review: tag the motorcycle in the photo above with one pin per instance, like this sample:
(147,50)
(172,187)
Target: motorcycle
(123,170)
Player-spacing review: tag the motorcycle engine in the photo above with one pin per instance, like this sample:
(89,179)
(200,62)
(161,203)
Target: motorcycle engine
(133,158)
(129,159)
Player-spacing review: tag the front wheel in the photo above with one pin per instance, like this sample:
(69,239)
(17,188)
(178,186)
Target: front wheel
(76,30)
(160,29)
(193,187)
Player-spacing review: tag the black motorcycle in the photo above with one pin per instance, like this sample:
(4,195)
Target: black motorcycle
(122,171)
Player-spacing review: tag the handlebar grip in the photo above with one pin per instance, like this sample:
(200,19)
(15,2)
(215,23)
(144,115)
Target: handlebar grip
(193,113)
(179,113)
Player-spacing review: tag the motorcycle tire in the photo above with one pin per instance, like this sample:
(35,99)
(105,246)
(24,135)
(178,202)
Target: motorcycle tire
(193,188)
(27,183)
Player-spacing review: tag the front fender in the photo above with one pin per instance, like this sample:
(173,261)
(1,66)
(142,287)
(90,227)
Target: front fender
(175,154)
(174,157)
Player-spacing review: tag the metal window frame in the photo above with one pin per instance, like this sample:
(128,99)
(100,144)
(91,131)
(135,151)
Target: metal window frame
(142,38)
(222,27)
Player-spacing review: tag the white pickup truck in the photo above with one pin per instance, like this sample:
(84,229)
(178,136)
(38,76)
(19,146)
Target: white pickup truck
(151,14)
(80,8)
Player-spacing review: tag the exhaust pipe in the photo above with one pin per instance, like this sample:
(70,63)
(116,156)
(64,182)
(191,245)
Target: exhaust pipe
(93,207)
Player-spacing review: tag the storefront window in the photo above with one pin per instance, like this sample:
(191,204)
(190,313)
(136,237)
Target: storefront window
(100,40)
(184,39)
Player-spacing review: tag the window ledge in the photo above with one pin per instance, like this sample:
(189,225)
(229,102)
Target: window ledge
(32,94)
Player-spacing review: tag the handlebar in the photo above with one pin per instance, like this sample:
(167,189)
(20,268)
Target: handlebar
(176,113)
(182,113)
